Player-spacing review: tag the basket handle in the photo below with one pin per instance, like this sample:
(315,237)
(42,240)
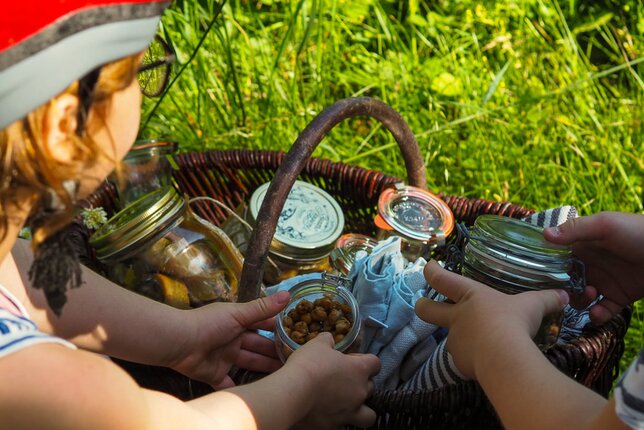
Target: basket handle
(293,163)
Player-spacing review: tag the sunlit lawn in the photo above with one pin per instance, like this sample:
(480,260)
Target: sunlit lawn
(534,102)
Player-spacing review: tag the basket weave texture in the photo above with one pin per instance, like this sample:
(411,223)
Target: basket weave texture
(231,176)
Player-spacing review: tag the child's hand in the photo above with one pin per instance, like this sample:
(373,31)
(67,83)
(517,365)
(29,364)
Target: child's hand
(610,245)
(220,335)
(341,383)
(482,318)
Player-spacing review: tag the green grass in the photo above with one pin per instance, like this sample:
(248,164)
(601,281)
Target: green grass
(537,102)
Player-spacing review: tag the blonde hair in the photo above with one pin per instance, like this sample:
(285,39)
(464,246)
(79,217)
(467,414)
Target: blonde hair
(27,165)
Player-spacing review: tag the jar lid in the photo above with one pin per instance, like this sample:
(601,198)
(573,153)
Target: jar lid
(309,225)
(515,253)
(415,213)
(346,248)
(145,146)
(519,236)
(145,217)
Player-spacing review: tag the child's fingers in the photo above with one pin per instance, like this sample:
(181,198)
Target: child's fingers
(451,285)
(434,312)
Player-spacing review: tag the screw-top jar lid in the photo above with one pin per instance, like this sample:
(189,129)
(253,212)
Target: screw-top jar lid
(146,217)
(346,248)
(309,225)
(415,213)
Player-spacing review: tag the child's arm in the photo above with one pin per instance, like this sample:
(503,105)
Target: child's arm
(202,343)
(48,386)
(490,340)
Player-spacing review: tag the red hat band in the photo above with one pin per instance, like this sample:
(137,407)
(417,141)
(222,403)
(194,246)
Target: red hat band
(46,45)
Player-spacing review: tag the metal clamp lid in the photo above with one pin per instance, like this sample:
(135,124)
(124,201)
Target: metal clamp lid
(415,213)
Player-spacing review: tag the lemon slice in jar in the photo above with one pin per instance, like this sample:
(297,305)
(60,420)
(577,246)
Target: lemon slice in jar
(172,292)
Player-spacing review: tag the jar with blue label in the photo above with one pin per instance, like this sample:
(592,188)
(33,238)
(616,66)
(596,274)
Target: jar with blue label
(308,227)
(512,256)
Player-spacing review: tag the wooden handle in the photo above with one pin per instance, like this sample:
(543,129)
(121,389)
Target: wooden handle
(293,163)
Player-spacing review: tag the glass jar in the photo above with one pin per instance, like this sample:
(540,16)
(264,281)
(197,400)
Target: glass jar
(308,227)
(159,248)
(512,256)
(145,168)
(421,219)
(316,305)
(346,249)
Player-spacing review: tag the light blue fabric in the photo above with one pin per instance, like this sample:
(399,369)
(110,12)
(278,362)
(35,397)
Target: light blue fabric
(372,279)
(408,285)
(407,351)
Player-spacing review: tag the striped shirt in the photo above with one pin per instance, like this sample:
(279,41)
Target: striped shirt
(629,394)
(17,331)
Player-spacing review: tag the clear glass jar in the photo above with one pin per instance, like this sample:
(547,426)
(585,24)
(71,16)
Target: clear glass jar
(328,303)
(308,227)
(145,168)
(159,248)
(421,219)
(512,256)
(346,248)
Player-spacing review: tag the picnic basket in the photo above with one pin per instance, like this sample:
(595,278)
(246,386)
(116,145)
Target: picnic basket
(231,176)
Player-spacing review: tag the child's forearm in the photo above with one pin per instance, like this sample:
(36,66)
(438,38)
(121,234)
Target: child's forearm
(528,392)
(100,309)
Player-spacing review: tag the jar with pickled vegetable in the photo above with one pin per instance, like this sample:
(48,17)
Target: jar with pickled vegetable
(158,247)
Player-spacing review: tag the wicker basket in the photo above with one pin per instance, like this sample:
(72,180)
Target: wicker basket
(231,176)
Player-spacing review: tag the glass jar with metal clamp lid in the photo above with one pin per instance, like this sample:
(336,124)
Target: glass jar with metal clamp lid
(512,256)
(318,305)
(419,217)
(307,228)
(159,248)
(347,248)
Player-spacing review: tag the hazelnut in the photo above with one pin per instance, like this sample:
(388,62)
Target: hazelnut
(304,306)
(298,337)
(294,315)
(342,326)
(287,321)
(306,318)
(324,302)
(334,315)
(302,327)
(319,313)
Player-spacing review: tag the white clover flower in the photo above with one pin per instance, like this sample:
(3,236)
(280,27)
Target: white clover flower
(94,218)
(25,233)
